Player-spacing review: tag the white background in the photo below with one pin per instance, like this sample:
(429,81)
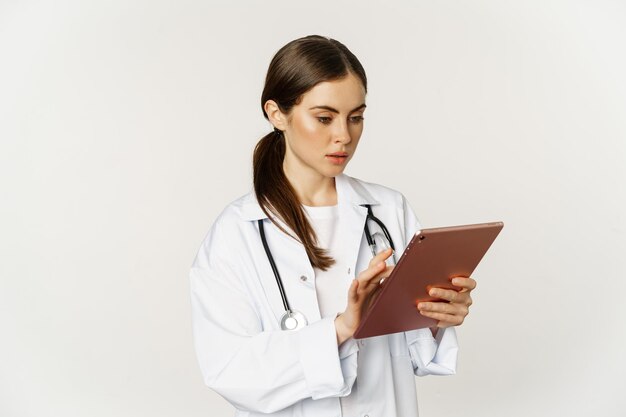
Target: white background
(126,127)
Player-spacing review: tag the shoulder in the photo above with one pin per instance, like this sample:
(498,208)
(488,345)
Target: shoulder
(226,230)
(237,210)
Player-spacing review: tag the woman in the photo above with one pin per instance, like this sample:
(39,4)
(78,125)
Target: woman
(310,217)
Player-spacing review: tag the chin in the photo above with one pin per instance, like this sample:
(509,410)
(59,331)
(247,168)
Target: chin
(333,172)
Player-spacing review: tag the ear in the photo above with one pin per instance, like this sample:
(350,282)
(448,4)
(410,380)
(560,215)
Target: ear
(276,117)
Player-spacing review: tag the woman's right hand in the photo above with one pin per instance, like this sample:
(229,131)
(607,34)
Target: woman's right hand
(360,295)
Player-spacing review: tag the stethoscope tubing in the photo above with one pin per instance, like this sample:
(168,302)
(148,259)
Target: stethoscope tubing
(368,235)
(283,295)
(370,241)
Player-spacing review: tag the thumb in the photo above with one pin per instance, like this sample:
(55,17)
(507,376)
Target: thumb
(352,292)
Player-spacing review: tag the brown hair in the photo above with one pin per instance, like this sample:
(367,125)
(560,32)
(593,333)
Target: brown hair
(296,68)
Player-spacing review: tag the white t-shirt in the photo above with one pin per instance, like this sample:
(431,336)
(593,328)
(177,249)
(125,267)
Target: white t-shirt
(332,285)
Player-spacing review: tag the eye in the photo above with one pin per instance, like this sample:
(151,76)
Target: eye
(324,120)
(356,119)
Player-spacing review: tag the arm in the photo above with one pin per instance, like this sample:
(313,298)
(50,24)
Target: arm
(257,370)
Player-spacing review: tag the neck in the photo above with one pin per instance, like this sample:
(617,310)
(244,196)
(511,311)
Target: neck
(312,189)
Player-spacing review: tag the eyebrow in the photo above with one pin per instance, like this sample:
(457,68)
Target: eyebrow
(331,109)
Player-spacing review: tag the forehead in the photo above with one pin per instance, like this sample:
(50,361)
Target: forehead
(343,94)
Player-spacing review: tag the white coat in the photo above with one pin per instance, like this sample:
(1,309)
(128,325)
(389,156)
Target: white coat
(261,370)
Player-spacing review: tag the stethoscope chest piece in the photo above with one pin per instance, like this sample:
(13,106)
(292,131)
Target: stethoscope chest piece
(292,320)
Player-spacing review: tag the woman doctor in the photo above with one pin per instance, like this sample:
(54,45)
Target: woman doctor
(280,281)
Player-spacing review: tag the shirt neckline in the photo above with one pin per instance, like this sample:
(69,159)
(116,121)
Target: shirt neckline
(321,212)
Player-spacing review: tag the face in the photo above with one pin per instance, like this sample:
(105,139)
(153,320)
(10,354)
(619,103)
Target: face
(323,130)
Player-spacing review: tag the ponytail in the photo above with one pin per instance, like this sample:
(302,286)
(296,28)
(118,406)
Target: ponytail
(278,199)
(296,68)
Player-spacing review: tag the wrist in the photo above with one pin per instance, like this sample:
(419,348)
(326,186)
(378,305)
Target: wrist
(343,333)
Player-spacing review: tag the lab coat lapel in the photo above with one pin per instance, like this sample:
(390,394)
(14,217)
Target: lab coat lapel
(352,216)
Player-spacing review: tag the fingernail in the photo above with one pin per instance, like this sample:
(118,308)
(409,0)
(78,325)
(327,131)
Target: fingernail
(432,293)
(456,281)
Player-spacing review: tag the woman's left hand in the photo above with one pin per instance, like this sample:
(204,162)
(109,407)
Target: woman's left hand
(456,309)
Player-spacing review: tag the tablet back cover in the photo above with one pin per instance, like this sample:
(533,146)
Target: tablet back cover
(431,259)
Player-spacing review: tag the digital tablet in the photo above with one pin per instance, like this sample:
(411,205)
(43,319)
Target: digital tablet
(431,259)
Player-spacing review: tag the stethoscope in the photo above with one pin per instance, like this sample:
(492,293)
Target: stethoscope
(293,319)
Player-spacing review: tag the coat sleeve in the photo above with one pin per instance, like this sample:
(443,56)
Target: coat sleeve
(429,355)
(254,369)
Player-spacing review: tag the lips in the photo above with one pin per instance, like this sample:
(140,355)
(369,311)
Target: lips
(337,158)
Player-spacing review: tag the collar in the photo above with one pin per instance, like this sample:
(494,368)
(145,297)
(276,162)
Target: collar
(350,191)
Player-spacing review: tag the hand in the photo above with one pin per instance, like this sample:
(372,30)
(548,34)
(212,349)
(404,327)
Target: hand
(453,312)
(362,291)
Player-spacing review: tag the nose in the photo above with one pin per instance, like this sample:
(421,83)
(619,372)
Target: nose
(342,132)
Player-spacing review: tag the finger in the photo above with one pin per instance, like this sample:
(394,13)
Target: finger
(371,273)
(386,274)
(451,296)
(381,256)
(446,308)
(465,283)
(352,291)
(445,320)
(376,280)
